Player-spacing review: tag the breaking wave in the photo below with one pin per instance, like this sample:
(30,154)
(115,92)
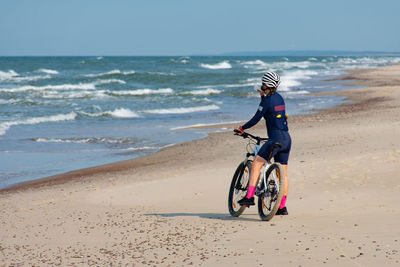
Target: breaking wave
(140,92)
(55,118)
(181,110)
(47,71)
(208,91)
(117,113)
(109,73)
(221,65)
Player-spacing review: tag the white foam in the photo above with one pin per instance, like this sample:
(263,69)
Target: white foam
(181,110)
(221,65)
(99,82)
(162,73)
(112,72)
(57,140)
(74,94)
(143,92)
(30,78)
(117,113)
(208,91)
(292,79)
(287,65)
(129,72)
(366,62)
(13,76)
(300,92)
(55,118)
(258,64)
(48,71)
(83,140)
(80,86)
(123,113)
(7,75)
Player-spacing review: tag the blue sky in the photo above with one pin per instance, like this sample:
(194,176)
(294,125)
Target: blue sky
(187,27)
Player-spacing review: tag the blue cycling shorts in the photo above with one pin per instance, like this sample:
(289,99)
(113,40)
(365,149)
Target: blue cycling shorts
(281,155)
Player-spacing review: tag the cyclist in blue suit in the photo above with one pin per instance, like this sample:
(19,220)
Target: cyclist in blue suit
(272,109)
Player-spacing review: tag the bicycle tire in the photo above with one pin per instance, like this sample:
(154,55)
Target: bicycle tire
(266,209)
(238,188)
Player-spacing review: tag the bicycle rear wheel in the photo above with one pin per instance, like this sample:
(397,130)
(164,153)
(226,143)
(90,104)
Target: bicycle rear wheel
(270,199)
(238,188)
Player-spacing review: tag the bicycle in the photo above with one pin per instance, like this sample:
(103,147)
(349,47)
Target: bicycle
(270,186)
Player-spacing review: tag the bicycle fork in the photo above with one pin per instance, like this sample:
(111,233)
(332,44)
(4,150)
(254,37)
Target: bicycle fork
(239,185)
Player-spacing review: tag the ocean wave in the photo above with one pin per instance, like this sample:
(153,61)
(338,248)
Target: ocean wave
(299,92)
(254,63)
(54,118)
(279,65)
(100,82)
(86,140)
(181,110)
(98,94)
(30,78)
(13,76)
(161,73)
(208,91)
(366,62)
(26,101)
(140,92)
(221,65)
(109,73)
(47,71)
(292,79)
(129,72)
(7,75)
(117,113)
(74,94)
(80,86)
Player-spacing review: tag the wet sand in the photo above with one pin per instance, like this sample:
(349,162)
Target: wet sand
(170,208)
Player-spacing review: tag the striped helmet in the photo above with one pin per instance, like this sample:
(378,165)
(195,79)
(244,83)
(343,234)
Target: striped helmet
(271,79)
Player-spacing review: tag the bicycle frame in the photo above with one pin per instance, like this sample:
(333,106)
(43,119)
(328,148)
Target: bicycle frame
(262,180)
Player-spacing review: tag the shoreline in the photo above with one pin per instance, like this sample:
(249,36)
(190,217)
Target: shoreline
(170,208)
(128,164)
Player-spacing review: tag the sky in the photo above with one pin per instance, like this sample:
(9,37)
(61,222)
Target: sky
(195,27)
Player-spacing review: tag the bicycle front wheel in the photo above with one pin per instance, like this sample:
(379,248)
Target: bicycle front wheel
(238,188)
(270,199)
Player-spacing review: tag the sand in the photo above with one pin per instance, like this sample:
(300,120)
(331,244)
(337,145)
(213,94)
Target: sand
(170,208)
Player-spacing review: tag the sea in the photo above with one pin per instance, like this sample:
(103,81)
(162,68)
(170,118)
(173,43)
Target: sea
(59,114)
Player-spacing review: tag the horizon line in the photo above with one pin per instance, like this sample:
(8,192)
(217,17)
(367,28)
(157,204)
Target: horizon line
(237,53)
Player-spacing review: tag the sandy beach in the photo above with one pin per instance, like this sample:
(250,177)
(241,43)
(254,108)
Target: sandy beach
(170,208)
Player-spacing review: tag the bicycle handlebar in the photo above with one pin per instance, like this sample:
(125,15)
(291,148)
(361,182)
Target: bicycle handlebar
(247,135)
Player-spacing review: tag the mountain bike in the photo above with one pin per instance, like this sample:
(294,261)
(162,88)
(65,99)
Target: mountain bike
(270,186)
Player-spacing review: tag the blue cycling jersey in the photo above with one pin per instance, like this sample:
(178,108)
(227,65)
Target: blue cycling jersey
(272,108)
